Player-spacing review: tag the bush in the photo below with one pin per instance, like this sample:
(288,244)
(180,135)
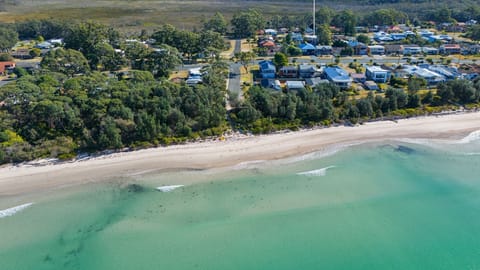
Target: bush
(5,57)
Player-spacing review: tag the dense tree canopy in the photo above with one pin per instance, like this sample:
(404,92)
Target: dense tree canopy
(346,20)
(8,38)
(53,115)
(385,17)
(216,23)
(66,61)
(246,23)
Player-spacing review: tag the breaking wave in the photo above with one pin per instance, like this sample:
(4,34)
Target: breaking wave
(12,211)
(318,172)
(169,188)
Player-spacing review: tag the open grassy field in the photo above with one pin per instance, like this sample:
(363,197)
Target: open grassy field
(145,14)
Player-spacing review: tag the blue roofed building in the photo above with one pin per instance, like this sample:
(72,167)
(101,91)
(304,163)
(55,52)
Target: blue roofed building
(338,76)
(267,69)
(307,48)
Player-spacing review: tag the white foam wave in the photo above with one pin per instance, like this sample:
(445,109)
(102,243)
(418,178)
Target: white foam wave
(169,188)
(328,151)
(12,211)
(249,164)
(474,136)
(318,172)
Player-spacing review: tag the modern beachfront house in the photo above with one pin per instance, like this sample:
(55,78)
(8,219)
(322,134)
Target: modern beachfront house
(377,74)
(337,76)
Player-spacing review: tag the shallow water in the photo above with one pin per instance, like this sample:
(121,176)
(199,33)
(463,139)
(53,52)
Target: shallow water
(394,205)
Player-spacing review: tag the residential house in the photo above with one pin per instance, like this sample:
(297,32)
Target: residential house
(400,71)
(450,49)
(447,72)
(358,77)
(306,71)
(377,74)
(323,50)
(267,69)
(382,36)
(269,45)
(6,66)
(371,85)
(21,54)
(194,76)
(297,37)
(431,77)
(307,48)
(398,36)
(426,33)
(393,49)
(411,49)
(337,76)
(271,83)
(438,38)
(360,49)
(472,49)
(361,29)
(312,82)
(295,85)
(56,41)
(271,32)
(44,45)
(376,49)
(452,27)
(29,66)
(471,22)
(430,50)
(288,72)
(311,39)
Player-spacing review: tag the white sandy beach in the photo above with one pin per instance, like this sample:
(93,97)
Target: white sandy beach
(18,180)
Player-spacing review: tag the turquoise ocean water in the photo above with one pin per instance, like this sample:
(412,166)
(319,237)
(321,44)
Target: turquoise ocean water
(388,205)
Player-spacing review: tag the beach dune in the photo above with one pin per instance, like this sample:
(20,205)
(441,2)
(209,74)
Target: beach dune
(17,180)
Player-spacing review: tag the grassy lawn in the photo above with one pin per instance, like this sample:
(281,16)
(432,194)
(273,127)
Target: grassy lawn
(247,46)
(246,76)
(228,53)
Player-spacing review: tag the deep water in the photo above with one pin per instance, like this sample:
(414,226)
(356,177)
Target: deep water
(391,205)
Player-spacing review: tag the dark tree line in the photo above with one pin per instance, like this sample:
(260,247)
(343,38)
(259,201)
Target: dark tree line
(51,114)
(265,110)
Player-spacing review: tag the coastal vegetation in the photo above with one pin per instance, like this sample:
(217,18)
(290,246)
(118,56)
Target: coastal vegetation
(102,90)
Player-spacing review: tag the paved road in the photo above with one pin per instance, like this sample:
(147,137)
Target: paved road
(234,87)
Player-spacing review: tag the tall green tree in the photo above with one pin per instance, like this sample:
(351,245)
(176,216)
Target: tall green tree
(66,61)
(163,60)
(280,60)
(87,36)
(106,58)
(346,20)
(216,23)
(324,35)
(8,38)
(246,23)
(245,58)
(324,15)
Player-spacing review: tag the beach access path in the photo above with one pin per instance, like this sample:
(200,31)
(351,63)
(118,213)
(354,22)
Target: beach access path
(21,179)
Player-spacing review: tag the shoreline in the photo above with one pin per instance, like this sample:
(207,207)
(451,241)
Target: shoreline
(23,180)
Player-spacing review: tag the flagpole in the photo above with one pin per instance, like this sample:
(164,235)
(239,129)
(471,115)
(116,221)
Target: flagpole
(314,32)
